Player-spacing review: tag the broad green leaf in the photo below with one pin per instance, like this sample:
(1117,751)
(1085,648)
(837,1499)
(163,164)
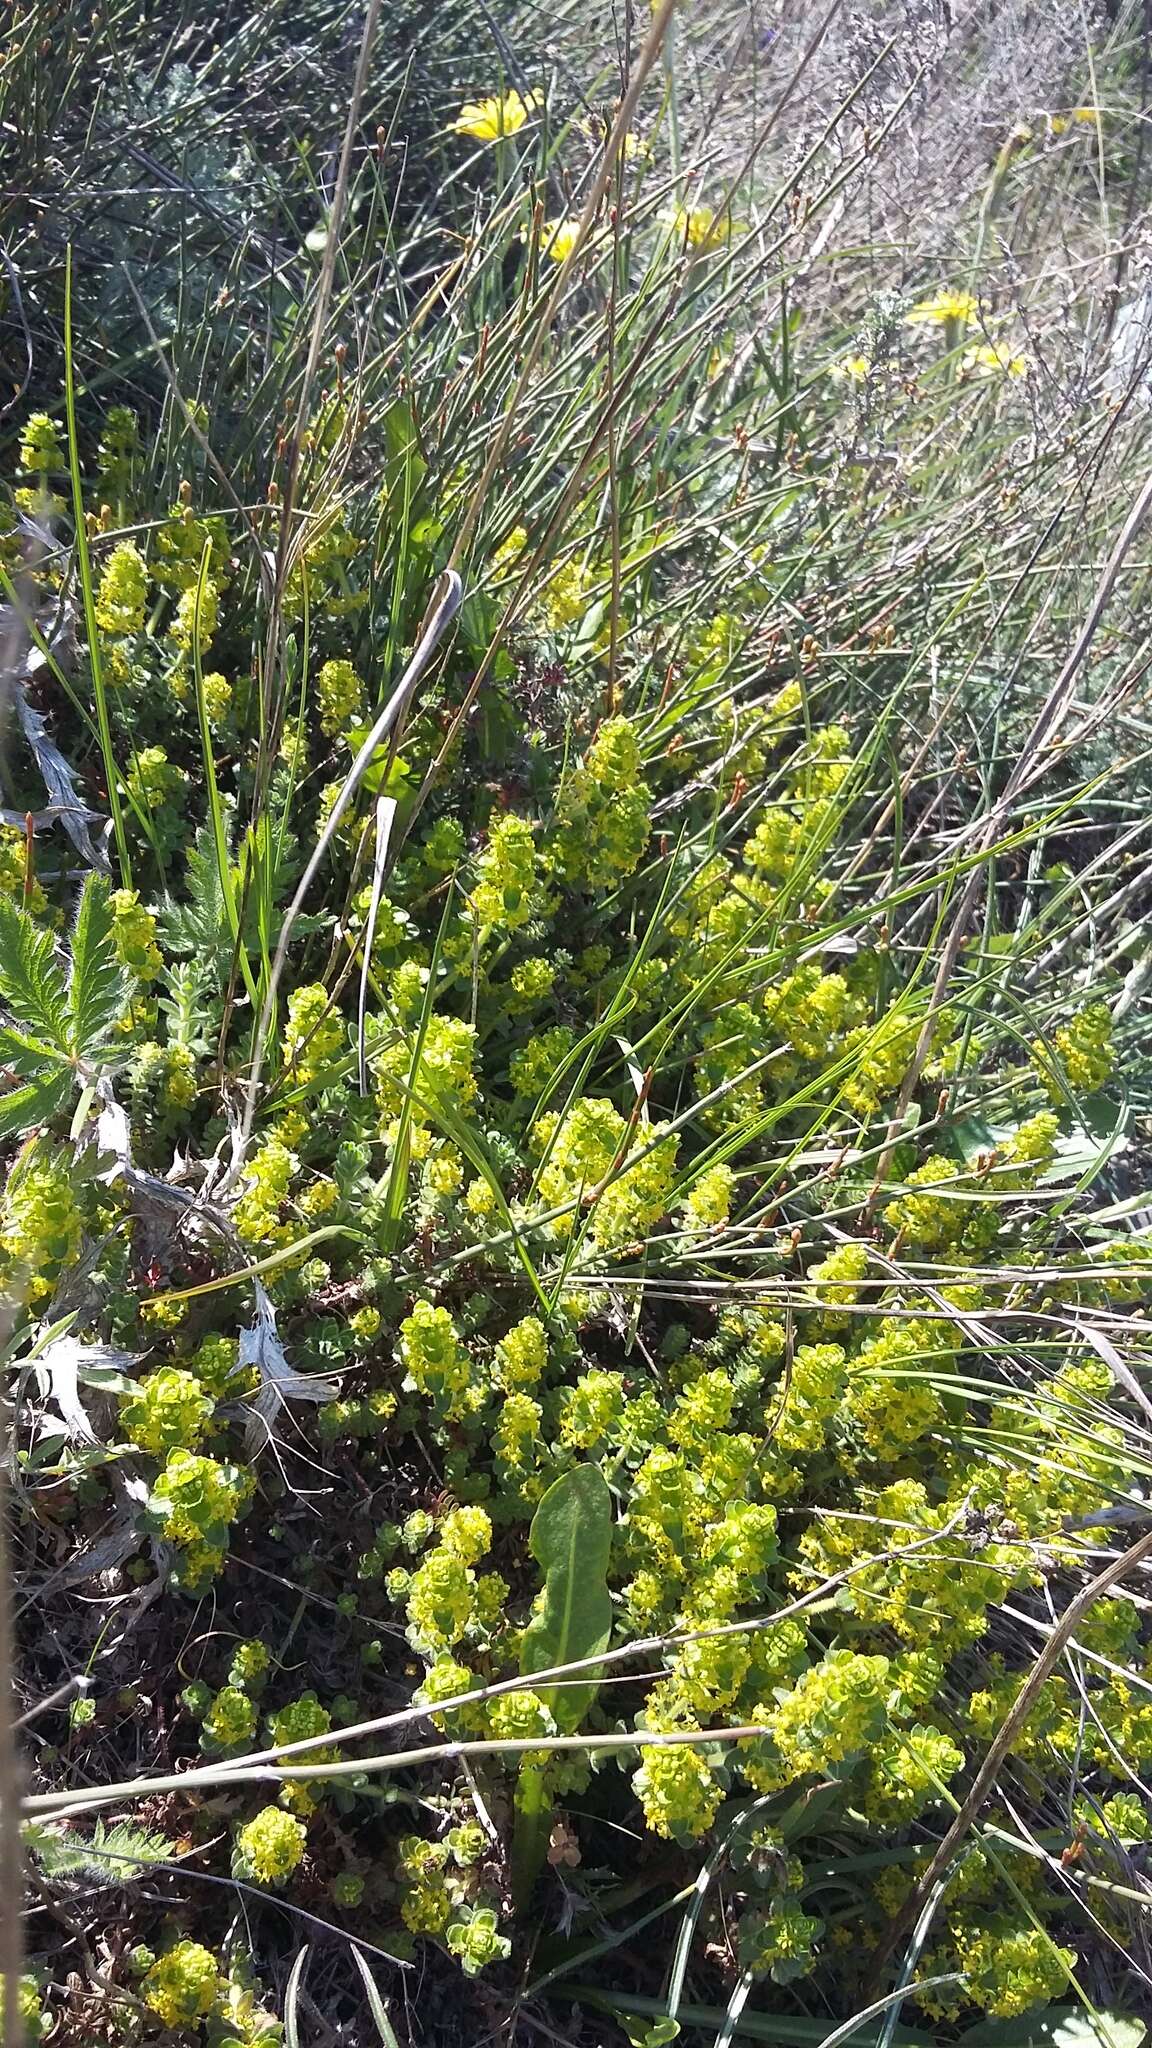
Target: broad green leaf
(97,990)
(31,1055)
(32,985)
(570,1540)
(1059,2027)
(36,1103)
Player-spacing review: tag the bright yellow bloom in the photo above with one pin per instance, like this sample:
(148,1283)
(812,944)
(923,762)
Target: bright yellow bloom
(993,360)
(944,308)
(597,130)
(489,119)
(558,238)
(1088,116)
(701,227)
(851,369)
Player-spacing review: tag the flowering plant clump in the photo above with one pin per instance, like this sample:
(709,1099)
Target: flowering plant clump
(269,1847)
(181,1987)
(578,1264)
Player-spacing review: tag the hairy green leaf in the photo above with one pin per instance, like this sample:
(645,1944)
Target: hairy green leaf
(29,1054)
(97,990)
(33,1104)
(115,1855)
(32,985)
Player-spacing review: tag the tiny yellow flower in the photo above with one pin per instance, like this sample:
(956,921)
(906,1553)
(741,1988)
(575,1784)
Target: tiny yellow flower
(943,309)
(851,369)
(1057,124)
(1089,117)
(491,118)
(993,360)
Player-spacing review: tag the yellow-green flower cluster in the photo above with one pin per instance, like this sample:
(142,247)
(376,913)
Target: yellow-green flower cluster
(40,1220)
(269,1848)
(708,1204)
(594,1159)
(300,1721)
(314,1035)
(504,896)
(339,698)
(522,1355)
(134,935)
(259,1212)
(182,1986)
(230,1723)
(602,812)
(171,1411)
(196,1500)
(435,1360)
(1079,1057)
(443,1078)
(122,593)
(153,781)
(196,619)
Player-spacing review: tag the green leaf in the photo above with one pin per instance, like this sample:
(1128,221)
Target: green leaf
(32,985)
(781,2030)
(36,1103)
(1058,2027)
(379,2010)
(97,990)
(116,1855)
(29,1055)
(570,1539)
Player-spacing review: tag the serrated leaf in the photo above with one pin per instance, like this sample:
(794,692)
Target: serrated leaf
(32,986)
(570,1539)
(199,923)
(36,1103)
(116,1855)
(97,988)
(28,1054)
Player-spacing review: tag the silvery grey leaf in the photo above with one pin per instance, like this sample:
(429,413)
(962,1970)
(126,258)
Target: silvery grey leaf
(59,780)
(279,1383)
(64,1363)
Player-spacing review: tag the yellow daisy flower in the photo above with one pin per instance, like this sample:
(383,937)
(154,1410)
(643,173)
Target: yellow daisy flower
(851,369)
(943,309)
(992,360)
(488,119)
(558,238)
(701,227)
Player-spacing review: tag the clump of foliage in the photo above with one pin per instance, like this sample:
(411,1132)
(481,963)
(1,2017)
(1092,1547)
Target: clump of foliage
(658,1190)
